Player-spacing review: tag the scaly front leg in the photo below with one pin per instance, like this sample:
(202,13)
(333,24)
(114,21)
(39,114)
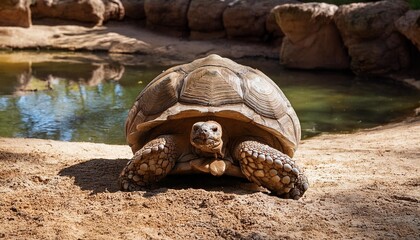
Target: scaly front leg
(149,164)
(270,168)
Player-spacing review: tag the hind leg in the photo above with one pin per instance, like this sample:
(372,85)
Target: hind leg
(270,168)
(149,164)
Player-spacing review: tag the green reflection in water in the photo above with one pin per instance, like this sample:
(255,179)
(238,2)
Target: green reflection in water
(89,100)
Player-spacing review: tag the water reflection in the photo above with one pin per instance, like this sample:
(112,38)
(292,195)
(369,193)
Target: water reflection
(88,100)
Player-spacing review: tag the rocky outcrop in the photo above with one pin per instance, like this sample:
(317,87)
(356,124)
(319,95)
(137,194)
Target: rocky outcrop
(247,19)
(169,16)
(409,26)
(114,9)
(205,18)
(368,31)
(92,11)
(15,13)
(311,37)
(134,9)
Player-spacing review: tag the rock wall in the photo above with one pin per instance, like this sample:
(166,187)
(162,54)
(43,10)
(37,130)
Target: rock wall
(370,38)
(15,13)
(409,26)
(369,33)
(311,38)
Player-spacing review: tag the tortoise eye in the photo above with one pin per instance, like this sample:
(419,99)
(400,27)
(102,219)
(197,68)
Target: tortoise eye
(195,128)
(214,129)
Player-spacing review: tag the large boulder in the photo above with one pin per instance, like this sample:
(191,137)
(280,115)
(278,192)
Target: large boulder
(368,31)
(247,19)
(134,9)
(169,16)
(92,11)
(409,25)
(15,13)
(205,18)
(311,37)
(114,9)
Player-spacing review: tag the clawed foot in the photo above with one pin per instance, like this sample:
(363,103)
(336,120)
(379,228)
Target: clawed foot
(271,169)
(150,164)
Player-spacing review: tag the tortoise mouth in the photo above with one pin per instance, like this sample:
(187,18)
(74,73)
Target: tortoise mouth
(206,141)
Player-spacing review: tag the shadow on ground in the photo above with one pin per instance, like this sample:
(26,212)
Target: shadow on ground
(101,175)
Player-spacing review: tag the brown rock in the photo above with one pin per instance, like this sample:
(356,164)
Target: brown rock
(368,31)
(205,18)
(134,9)
(409,26)
(114,9)
(247,19)
(169,16)
(15,13)
(92,11)
(312,39)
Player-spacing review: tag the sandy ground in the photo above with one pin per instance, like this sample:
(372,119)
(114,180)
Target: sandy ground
(364,185)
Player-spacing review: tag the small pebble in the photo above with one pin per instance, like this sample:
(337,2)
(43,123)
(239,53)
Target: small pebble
(161,147)
(287,167)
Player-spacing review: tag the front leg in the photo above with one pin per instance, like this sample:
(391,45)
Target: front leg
(149,164)
(270,168)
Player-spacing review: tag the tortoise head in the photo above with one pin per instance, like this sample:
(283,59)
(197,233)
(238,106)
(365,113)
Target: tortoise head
(207,137)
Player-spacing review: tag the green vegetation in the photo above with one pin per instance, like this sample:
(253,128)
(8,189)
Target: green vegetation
(342,2)
(414,4)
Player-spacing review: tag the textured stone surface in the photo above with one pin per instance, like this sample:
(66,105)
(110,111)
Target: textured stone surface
(368,31)
(205,18)
(134,9)
(167,15)
(83,10)
(114,9)
(15,13)
(247,19)
(409,26)
(312,39)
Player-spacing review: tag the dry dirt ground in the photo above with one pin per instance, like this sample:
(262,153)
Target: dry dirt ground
(364,185)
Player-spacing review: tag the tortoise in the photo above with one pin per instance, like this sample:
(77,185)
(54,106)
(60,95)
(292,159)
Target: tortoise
(214,116)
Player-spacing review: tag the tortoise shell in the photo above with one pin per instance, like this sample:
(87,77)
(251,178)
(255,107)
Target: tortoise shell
(214,87)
